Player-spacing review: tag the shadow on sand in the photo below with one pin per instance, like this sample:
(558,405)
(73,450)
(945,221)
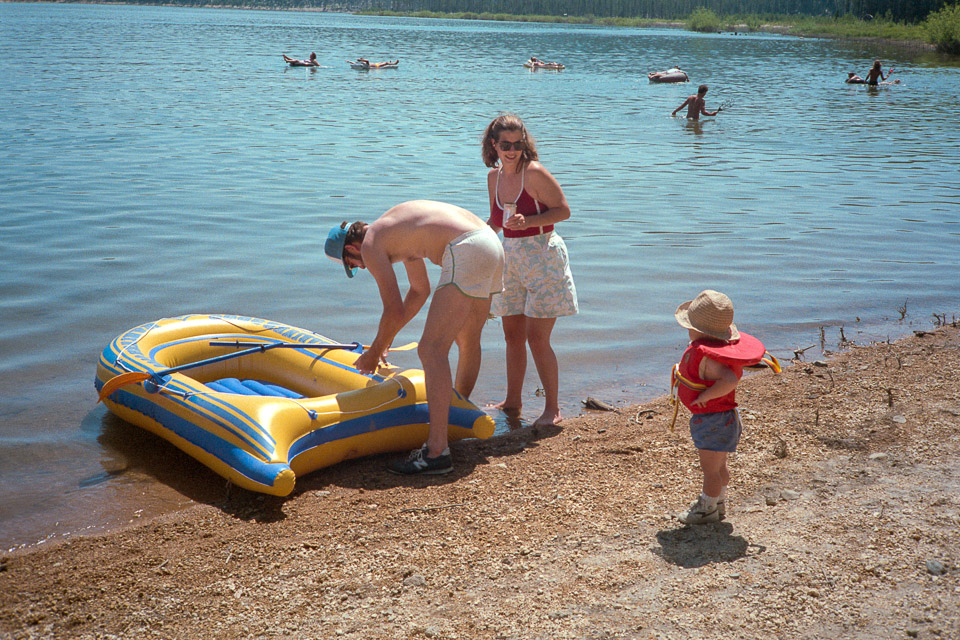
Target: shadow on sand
(698,546)
(371,472)
(131,452)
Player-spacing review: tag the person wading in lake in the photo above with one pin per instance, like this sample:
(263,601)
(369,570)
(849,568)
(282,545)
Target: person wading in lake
(450,237)
(696,105)
(875,75)
(538,284)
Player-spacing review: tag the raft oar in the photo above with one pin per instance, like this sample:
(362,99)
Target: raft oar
(300,345)
(133,377)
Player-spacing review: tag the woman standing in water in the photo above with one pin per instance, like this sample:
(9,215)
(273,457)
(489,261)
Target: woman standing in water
(538,285)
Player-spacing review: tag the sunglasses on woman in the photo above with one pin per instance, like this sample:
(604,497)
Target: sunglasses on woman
(519,145)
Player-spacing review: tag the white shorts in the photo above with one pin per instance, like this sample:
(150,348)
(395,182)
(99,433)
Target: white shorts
(473,263)
(537,278)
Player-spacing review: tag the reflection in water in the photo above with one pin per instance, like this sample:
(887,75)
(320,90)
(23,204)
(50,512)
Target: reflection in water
(693,126)
(507,420)
(135,451)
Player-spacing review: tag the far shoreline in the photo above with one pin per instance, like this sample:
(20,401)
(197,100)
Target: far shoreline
(773,28)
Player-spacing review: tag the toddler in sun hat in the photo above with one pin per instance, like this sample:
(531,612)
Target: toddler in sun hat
(706,380)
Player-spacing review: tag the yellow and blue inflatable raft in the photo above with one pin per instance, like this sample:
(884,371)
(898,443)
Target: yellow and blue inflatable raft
(262,402)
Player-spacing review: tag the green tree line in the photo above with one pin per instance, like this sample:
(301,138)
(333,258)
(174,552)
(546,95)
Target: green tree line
(911,11)
(899,10)
(936,21)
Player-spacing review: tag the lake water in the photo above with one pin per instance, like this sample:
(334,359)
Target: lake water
(162,161)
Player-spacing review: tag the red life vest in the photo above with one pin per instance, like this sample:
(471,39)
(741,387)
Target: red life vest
(737,354)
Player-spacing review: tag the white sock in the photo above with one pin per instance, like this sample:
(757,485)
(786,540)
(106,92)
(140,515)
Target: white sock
(723,494)
(708,502)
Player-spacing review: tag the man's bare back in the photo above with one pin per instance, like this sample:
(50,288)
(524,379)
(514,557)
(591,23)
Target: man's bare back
(696,105)
(419,229)
(411,233)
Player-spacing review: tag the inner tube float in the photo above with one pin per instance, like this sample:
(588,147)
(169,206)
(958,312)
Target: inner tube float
(373,65)
(670,75)
(549,66)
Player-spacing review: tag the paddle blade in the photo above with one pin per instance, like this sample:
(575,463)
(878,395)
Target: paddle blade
(772,362)
(121,380)
(406,347)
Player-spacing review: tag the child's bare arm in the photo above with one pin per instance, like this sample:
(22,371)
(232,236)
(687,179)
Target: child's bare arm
(725,381)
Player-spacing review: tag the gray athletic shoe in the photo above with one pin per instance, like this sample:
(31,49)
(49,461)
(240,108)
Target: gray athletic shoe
(698,513)
(420,463)
(722,509)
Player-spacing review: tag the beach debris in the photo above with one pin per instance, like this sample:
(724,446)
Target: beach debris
(940,320)
(597,405)
(780,449)
(798,353)
(425,509)
(771,495)
(415,580)
(935,567)
(644,413)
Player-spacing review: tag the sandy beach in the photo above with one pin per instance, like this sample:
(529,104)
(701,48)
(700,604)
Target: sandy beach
(842,522)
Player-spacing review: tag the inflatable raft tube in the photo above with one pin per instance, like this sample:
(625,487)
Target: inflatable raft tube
(670,75)
(264,418)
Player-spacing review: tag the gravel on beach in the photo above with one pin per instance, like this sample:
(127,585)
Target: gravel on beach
(843,522)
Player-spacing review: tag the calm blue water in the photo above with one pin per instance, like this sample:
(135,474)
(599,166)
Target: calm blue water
(161,161)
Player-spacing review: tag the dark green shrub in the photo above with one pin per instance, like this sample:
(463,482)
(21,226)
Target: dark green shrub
(703,20)
(943,29)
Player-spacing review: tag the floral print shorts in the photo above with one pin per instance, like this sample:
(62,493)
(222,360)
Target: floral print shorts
(536,278)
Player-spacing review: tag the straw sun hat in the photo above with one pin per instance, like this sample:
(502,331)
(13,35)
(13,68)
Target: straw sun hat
(710,313)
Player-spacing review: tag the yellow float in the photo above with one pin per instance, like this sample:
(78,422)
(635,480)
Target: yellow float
(262,402)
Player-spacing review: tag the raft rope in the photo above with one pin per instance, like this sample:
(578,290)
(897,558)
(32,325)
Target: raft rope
(246,329)
(188,394)
(123,365)
(126,367)
(676,379)
(185,395)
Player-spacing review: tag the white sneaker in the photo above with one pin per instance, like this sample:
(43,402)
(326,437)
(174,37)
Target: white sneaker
(699,513)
